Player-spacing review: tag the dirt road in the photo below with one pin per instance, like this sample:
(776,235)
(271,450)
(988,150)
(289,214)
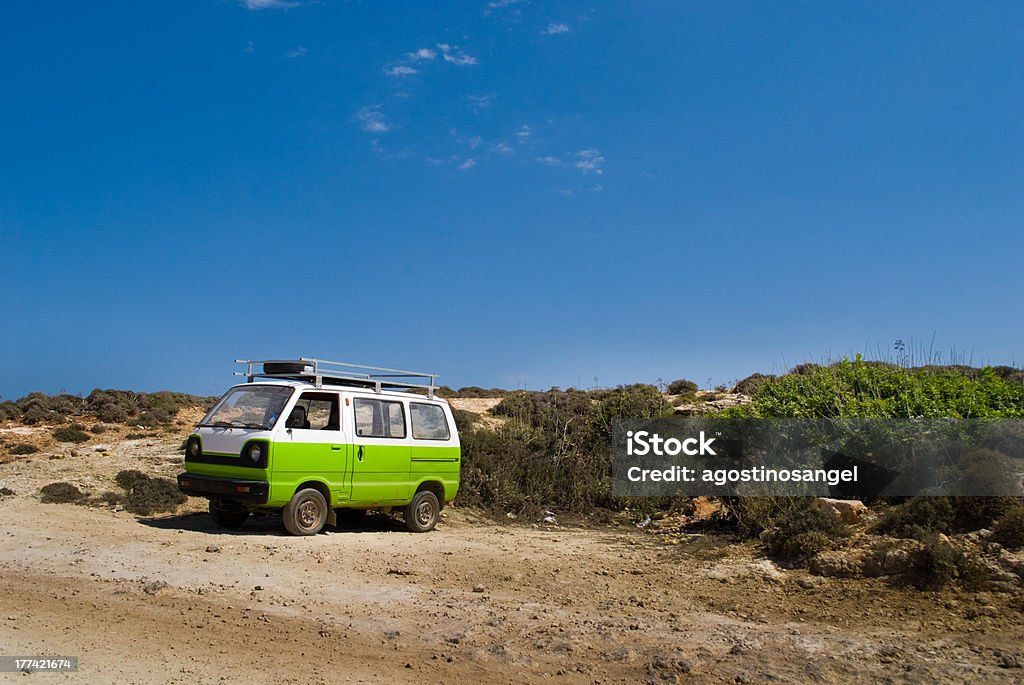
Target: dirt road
(171,599)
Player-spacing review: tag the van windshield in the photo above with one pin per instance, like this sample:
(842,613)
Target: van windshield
(256,406)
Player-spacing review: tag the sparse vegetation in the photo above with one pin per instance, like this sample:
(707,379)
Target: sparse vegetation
(751,384)
(24,448)
(682,387)
(147,495)
(863,389)
(73,433)
(61,493)
(800,534)
(553,451)
(104,406)
(939,562)
(1009,530)
(153,496)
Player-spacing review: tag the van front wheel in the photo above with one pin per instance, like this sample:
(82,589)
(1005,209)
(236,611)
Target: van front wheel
(422,513)
(306,513)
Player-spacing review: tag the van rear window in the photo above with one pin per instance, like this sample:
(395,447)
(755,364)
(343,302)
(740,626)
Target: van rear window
(428,422)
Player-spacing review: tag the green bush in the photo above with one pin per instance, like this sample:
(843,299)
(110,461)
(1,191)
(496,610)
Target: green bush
(24,448)
(938,563)
(129,478)
(918,517)
(801,534)
(751,384)
(60,493)
(146,495)
(1009,530)
(682,387)
(107,406)
(465,420)
(753,515)
(864,389)
(73,433)
(553,451)
(154,495)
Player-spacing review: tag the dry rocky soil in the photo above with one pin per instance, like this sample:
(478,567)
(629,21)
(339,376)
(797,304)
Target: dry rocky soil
(172,599)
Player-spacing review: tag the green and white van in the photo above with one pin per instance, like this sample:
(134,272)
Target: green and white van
(306,437)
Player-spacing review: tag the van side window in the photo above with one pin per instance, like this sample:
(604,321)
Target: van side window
(379,418)
(320,410)
(428,422)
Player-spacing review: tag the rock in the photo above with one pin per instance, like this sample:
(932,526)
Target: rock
(154,587)
(810,582)
(1011,661)
(703,509)
(889,559)
(510,515)
(548,519)
(668,670)
(846,510)
(835,565)
(213,548)
(479,588)
(101,448)
(6,492)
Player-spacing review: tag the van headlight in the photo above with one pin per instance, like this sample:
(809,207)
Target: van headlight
(255,452)
(192,448)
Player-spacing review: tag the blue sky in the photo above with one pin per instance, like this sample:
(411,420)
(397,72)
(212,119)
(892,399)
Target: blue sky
(516,194)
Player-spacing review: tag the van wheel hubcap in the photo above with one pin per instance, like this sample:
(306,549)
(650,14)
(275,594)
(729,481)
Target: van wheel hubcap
(308,513)
(424,513)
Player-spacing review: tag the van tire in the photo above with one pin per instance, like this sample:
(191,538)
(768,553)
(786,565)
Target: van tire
(305,513)
(422,514)
(228,517)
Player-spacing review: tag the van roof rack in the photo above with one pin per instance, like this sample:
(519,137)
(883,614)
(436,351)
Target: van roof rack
(321,371)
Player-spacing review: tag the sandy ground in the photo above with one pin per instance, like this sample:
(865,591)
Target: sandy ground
(171,599)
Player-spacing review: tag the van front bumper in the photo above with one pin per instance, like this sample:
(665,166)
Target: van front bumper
(248,491)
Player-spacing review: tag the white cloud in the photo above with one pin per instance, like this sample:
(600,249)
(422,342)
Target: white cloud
(590,161)
(297,52)
(373,120)
(401,70)
(479,102)
(423,53)
(523,133)
(254,5)
(554,29)
(550,161)
(475,142)
(498,4)
(468,164)
(503,149)
(249,47)
(455,55)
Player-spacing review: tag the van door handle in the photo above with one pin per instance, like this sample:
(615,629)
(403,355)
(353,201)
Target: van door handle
(335,447)
(360,453)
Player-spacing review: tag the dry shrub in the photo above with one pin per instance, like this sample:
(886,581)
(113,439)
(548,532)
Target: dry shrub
(61,493)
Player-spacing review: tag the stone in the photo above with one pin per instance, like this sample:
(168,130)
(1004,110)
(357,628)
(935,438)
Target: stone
(846,510)
(835,565)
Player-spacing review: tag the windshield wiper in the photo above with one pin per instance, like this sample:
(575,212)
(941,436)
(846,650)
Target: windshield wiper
(233,424)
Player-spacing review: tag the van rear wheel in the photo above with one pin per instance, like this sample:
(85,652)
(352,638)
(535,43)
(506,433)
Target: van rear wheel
(228,516)
(422,513)
(306,513)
